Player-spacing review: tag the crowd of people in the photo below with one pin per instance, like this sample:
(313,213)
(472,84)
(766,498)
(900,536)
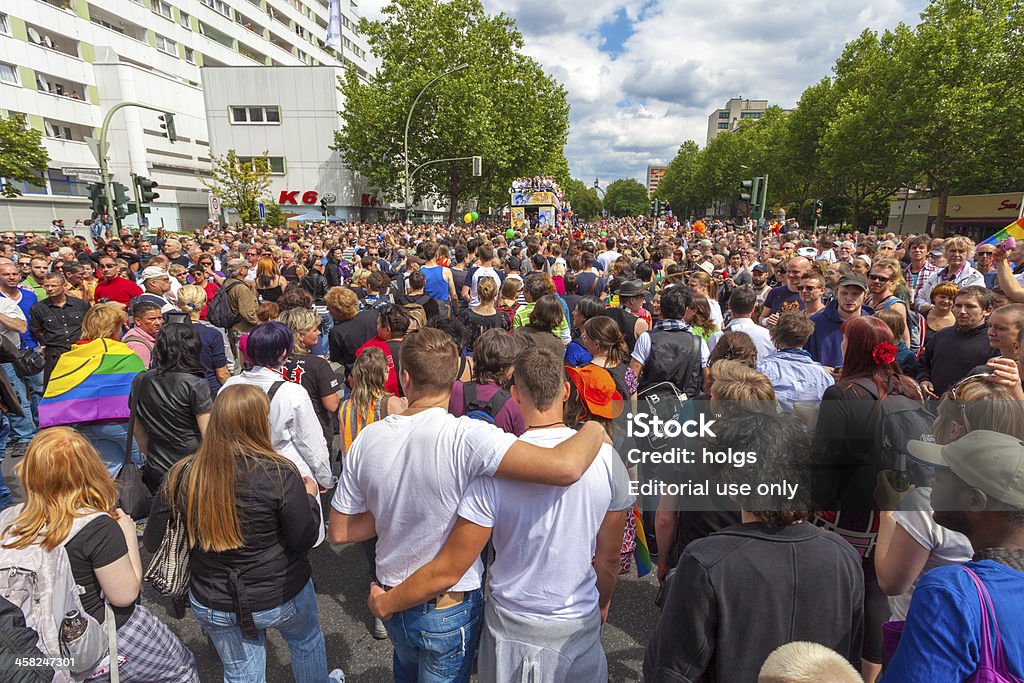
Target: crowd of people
(453,400)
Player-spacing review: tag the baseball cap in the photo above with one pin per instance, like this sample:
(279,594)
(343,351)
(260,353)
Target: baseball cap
(760,268)
(707,268)
(984,459)
(937,251)
(597,389)
(151,273)
(807,252)
(853,280)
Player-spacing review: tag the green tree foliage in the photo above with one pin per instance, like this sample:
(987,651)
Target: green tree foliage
(275,217)
(240,184)
(585,201)
(22,156)
(503,107)
(626,197)
(936,105)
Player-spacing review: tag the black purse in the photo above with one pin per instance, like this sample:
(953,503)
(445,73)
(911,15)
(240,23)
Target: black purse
(28,363)
(133,494)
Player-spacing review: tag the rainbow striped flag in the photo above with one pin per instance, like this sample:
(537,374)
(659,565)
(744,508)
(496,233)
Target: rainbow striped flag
(1014,230)
(642,555)
(91,382)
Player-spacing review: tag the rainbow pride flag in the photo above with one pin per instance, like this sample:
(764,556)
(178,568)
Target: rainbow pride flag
(91,382)
(642,554)
(1014,230)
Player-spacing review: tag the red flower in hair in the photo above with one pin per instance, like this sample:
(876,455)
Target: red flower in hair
(884,354)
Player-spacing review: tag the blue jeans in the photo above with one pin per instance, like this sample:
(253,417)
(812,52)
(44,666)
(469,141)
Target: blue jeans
(5,430)
(23,428)
(245,661)
(326,325)
(433,645)
(108,438)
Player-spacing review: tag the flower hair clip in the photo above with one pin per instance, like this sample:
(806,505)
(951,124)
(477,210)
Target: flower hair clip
(884,354)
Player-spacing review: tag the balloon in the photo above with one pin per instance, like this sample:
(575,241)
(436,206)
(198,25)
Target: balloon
(510,233)
(475,215)
(468,218)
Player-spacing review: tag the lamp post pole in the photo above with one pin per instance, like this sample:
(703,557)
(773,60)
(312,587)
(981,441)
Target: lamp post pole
(408,120)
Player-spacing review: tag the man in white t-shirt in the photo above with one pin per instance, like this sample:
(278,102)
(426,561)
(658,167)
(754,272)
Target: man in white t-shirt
(403,479)
(556,550)
(609,255)
(484,268)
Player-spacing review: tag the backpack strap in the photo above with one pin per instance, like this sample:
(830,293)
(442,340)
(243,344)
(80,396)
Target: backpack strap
(273,390)
(469,397)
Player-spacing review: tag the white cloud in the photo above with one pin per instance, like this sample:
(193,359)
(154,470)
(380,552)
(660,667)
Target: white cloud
(684,59)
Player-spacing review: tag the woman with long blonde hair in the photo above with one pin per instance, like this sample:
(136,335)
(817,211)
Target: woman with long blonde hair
(269,282)
(249,570)
(71,499)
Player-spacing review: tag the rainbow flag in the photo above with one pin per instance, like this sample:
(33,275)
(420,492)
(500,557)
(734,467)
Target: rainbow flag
(1014,230)
(642,555)
(91,382)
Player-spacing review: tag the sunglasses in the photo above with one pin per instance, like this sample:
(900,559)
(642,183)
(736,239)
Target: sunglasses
(879,278)
(956,387)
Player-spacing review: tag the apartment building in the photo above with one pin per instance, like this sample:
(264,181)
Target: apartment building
(65,63)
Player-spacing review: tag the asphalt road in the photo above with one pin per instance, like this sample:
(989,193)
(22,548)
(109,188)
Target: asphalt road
(341,577)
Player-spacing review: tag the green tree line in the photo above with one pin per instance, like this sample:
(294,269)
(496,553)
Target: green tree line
(935,107)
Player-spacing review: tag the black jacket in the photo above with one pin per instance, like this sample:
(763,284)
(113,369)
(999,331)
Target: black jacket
(18,640)
(950,354)
(743,591)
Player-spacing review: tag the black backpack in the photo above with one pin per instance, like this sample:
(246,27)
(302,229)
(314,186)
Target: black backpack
(899,420)
(219,312)
(486,411)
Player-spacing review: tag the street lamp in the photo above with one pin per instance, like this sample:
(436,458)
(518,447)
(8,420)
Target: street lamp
(408,119)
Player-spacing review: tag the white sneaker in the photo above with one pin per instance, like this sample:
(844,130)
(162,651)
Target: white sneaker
(336,676)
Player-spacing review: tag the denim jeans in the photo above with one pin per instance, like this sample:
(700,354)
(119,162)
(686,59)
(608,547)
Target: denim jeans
(5,430)
(23,428)
(433,645)
(326,325)
(108,438)
(245,661)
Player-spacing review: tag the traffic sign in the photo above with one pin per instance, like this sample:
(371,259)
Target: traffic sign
(89,175)
(263,211)
(214,204)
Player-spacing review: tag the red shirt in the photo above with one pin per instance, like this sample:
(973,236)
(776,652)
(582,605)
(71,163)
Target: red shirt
(121,290)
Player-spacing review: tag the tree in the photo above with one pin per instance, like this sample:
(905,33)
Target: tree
(275,217)
(22,156)
(240,184)
(626,197)
(503,107)
(585,202)
(677,185)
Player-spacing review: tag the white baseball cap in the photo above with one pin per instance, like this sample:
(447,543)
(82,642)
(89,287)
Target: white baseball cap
(985,460)
(151,273)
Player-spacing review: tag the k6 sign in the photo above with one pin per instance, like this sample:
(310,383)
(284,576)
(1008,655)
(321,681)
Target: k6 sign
(292,197)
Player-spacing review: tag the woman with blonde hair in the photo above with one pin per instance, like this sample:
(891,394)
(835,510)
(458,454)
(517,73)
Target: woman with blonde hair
(251,520)
(269,282)
(70,499)
(485,316)
(312,372)
(215,351)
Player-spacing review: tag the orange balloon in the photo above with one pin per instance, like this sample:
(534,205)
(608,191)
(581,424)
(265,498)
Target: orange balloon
(700,227)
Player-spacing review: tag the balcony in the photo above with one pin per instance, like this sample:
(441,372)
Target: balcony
(60,86)
(216,36)
(247,23)
(64,130)
(113,22)
(48,39)
(280,42)
(252,54)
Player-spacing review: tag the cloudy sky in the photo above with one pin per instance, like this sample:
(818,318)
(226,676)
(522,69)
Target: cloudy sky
(642,76)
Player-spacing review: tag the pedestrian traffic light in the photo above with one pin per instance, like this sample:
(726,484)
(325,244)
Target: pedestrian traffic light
(97,199)
(478,166)
(167,125)
(146,187)
(120,199)
(818,206)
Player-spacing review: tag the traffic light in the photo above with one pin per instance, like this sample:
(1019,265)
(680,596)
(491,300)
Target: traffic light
(653,208)
(478,166)
(818,206)
(97,199)
(120,199)
(750,192)
(146,187)
(167,125)
(323,205)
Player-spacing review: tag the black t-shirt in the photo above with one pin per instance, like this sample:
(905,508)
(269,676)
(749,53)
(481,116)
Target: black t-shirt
(318,379)
(781,299)
(166,405)
(347,336)
(290,273)
(99,543)
(180,259)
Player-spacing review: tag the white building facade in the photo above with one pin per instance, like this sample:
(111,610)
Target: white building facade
(65,63)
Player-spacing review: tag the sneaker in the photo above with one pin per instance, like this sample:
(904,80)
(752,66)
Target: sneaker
(16,449)
(379,632)
(337,676)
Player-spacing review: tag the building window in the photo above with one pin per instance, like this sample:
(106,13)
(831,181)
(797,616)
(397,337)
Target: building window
(259,115)
(166,45)
(184,20)
(751,114)
(218,6)
(723,126)
(723,114)
(277,164)
(5,27)
(68,186)
(8,74)
(29,188)
(190,55)
(163,9)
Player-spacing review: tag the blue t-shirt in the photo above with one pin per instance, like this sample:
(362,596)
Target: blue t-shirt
(941,640)
(28,298)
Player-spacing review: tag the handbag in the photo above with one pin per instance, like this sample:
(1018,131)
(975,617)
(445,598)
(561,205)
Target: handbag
(28,363)
(992,666)
(169,570)
(133,494)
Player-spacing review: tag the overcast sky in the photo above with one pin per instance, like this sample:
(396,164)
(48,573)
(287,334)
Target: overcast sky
(642,77)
